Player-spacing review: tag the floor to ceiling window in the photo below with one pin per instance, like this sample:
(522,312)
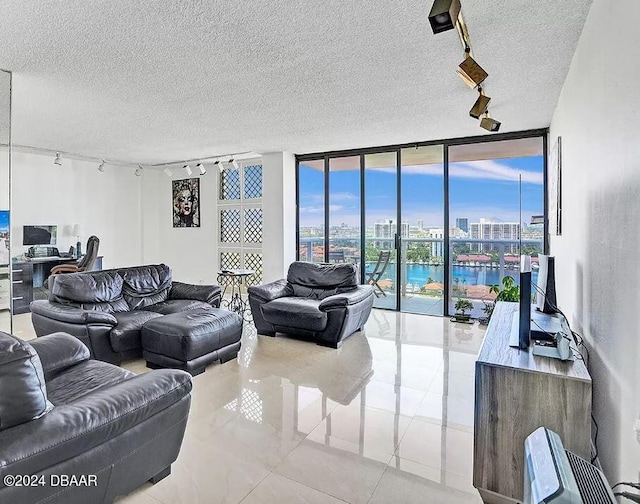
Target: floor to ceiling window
(496,191)
(311,210)
(433,222)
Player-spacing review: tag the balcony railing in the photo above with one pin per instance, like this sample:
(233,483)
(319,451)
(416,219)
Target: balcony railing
(475,264)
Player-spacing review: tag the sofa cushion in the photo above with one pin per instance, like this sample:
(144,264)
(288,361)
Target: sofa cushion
(84,378)
(126,335)
(99,290)
(295,312)
(318,281)
(24,393)
(176,306)
(146,285)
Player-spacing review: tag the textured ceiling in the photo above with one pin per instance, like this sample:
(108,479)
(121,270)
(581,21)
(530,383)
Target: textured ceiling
(157,81)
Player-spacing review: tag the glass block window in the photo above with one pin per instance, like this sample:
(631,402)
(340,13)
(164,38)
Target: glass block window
(230,184)
(230,226)
(229,260)
(253,225)
(253,181)
(254,262)
(241,218)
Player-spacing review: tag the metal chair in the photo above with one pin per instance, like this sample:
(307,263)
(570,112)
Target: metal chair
(336,256)
(383,261)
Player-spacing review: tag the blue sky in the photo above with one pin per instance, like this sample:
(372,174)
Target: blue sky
(476,189)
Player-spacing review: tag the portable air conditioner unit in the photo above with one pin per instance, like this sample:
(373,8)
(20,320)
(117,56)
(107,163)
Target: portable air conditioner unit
(554,475)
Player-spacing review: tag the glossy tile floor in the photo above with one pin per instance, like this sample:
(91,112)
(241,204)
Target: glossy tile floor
(387,418)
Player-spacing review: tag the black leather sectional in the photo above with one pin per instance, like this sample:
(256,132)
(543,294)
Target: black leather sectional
(107,309)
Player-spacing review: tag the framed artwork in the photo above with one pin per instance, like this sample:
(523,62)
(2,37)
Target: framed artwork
(186,203)
(555,188)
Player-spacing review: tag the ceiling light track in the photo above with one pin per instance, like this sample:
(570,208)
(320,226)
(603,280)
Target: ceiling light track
(68,155)
(446,15)
(228,158)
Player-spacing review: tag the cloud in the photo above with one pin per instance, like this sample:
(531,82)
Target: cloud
(320,209)
(342,196)
(488,170)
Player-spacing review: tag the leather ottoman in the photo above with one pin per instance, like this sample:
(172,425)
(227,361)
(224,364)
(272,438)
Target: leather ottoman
(192,339)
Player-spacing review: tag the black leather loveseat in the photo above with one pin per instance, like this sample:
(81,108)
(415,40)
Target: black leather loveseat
(107,309)
(75,430)
(323,301)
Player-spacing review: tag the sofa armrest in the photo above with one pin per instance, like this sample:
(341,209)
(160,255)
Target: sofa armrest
(75,428)
(269,292)
(59,351)
(355,296)
(71,314)
(205,293)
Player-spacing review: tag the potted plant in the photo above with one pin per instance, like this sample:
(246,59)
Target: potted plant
(509,292)
(488,311)
(461,306)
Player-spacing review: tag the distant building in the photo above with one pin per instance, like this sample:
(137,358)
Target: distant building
(387,229)
(462,223)
(420,225)
(437,248)
(488,229)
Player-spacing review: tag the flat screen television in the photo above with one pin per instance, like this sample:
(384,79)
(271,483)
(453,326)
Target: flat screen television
(39,235)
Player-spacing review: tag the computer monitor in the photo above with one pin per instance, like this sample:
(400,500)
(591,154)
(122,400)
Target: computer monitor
(39,235)
(546,285)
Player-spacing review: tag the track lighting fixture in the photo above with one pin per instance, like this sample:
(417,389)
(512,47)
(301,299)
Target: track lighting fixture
(168,172)
(220,164)
(202,169)
(138,171)
(490,124)
(470,72)
(234,163)
(480,106)
(187,169)
(101,166)
(443,15)
(58,159)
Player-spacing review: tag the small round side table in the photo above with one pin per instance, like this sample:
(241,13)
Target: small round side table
(234,278)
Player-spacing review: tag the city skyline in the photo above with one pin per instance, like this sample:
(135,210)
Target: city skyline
(480,189)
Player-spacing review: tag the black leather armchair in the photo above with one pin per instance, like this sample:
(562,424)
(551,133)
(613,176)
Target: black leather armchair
(107,309)
(323,301)
(106,422)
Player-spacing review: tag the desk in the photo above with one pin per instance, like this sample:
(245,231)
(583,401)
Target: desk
(30,274)
(517,392)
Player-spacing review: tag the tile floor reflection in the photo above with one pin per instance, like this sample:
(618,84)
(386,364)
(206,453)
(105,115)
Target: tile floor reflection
(387,418)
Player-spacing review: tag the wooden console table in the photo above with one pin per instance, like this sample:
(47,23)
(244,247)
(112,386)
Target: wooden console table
(517,392)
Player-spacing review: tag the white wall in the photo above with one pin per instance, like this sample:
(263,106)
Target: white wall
(192,253)
(104,204)
(598,117)
(279,214)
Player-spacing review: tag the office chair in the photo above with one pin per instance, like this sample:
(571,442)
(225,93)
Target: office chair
(85,263)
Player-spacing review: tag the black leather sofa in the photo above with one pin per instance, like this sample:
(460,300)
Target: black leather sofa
(322,301)
(107,309)
(99,428)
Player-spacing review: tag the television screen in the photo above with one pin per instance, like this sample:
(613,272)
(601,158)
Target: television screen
(39,235)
